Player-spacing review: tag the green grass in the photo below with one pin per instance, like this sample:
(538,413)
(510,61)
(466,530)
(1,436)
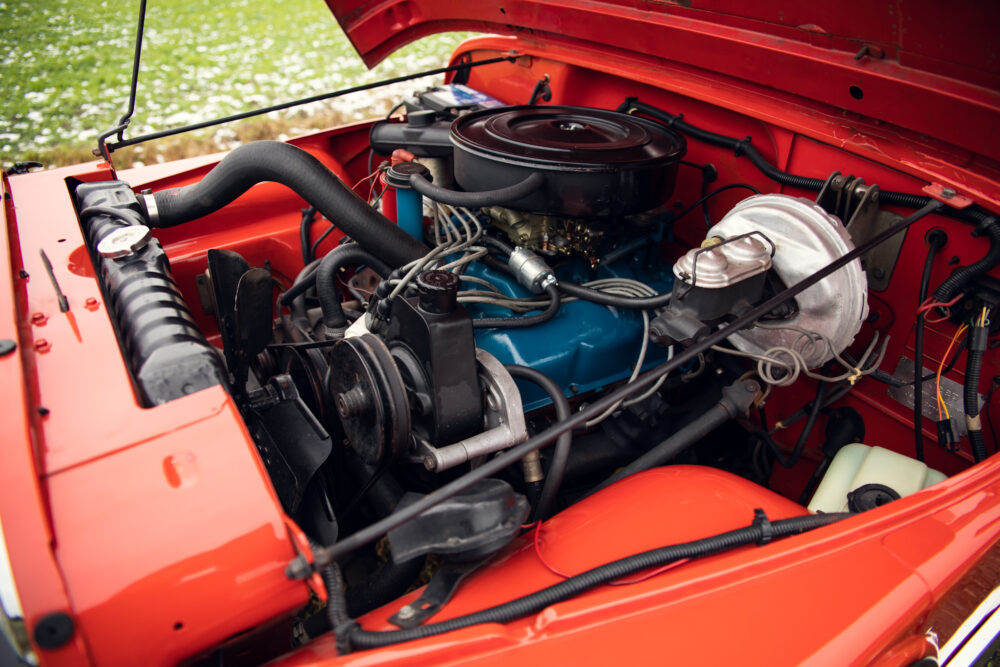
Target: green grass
(66,66)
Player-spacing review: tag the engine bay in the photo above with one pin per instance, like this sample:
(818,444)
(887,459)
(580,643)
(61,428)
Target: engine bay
(635,287)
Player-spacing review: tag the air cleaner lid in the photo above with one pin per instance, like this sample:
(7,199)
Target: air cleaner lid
(567,137)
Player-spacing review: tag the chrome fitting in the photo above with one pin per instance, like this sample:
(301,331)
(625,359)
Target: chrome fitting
(530,270)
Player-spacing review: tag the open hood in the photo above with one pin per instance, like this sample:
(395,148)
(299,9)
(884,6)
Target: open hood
(908,62)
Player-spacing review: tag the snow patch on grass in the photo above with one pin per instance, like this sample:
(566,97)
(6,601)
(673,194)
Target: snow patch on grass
(65,74)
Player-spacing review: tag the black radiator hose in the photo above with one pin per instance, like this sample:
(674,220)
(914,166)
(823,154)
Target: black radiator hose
(743,147)
(760,532)
(326,279)
(278,162)
(953,284)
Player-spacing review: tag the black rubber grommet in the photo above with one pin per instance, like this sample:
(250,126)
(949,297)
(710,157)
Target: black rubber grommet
(54,630)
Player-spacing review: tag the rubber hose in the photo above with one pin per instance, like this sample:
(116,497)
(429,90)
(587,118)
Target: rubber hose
(477,199)
(278,162)
(560,456)
(744,147)
(491,241)
(305,226)
(800,444)
(759,533)
(526,321)
(326,279)
(954,283)
(533,492)
(614,300)
(973,367)
(731,406)
(305,279)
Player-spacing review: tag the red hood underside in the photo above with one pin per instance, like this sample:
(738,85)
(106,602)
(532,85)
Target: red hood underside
(808,49)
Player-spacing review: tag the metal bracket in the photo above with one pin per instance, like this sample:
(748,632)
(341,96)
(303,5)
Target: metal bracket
(857,204)
(503,420)
(440,589)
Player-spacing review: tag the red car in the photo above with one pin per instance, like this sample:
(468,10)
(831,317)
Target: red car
(656,333)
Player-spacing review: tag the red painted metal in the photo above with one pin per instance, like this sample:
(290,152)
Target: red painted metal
(939,66)
(840,595)
(162,520)
(158,531)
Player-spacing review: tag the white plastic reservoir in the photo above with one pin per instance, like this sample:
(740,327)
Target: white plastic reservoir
(856,465)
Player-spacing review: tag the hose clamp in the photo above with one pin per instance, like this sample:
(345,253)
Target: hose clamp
(152,212)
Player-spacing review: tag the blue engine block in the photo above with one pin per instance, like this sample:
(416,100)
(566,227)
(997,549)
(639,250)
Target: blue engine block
(585,346)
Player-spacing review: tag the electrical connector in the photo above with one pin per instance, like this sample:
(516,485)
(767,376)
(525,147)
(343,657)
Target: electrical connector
(948,436)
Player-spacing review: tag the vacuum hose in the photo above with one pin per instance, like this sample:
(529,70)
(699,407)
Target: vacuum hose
(557,469)
(496,197)
(278,162)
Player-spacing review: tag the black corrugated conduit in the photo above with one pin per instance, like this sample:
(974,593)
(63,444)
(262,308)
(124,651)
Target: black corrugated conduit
(973,366)
(760,532)
(954,283)
(744,148)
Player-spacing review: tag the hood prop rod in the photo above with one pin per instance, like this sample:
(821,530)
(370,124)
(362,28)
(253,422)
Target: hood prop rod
(104,149)
(123,123)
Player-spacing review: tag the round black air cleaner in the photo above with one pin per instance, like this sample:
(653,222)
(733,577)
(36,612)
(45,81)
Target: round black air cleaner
(595,162)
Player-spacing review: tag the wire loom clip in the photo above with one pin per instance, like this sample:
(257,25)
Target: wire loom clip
(761,521)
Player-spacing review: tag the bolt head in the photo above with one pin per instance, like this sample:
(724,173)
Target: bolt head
(406,612)
(948,193)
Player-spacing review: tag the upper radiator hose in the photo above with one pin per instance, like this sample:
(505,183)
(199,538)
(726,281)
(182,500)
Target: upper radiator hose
(275,161)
